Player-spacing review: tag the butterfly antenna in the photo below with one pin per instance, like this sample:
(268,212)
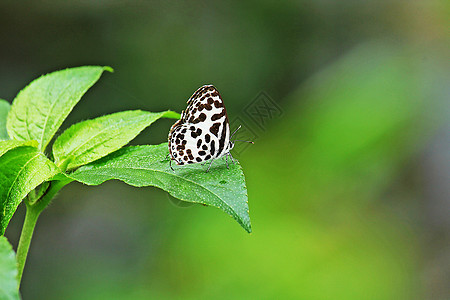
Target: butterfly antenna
(244,141)
(240,140)
(235,131)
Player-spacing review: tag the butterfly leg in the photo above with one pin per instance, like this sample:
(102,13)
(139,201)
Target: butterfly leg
(170,165)
(210,165)
(226,159)
(232,158)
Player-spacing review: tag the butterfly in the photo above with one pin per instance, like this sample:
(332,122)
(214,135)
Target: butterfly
(203,131)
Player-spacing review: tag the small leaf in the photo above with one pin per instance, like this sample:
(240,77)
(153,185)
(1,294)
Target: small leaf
(40,108)
(4,109)
(90,140)
(8,271)
(21,170)
(148,166)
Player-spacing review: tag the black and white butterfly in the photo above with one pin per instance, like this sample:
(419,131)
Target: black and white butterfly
(203,132)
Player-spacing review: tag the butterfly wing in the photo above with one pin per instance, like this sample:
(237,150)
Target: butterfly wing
(192,144)
(203,132)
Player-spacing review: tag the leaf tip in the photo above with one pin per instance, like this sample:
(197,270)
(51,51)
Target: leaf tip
(108,68)
(172,114)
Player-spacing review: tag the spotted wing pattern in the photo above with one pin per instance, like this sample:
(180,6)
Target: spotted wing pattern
(203,132)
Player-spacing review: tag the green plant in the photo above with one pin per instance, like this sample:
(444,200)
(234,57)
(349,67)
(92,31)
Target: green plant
(90,152)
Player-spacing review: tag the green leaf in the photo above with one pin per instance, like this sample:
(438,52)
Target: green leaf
(8,271)
(90,140)
(171,115)
(148,166)
(21,170)
(5,146)
(4,109)
(40,108)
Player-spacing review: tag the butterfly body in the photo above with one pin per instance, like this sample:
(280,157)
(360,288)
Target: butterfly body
(203,131)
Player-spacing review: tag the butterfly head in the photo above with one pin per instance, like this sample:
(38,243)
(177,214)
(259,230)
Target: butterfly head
(231,145)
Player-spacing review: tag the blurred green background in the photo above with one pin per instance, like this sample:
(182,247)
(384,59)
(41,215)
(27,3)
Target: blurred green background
(348,186)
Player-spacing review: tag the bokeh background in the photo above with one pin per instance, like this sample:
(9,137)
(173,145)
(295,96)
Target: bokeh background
(348,184)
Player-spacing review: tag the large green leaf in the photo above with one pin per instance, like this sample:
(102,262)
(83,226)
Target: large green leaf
(8,271)
(40,108)
(4,109)
(90,140)
(148,166)
(21,170)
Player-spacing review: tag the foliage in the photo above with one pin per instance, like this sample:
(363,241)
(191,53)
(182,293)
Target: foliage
(22,170)
(146,165)
(8,271)
(4,109)
(90,152)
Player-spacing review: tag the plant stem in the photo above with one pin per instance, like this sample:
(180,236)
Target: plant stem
(31,217)
(34,209)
